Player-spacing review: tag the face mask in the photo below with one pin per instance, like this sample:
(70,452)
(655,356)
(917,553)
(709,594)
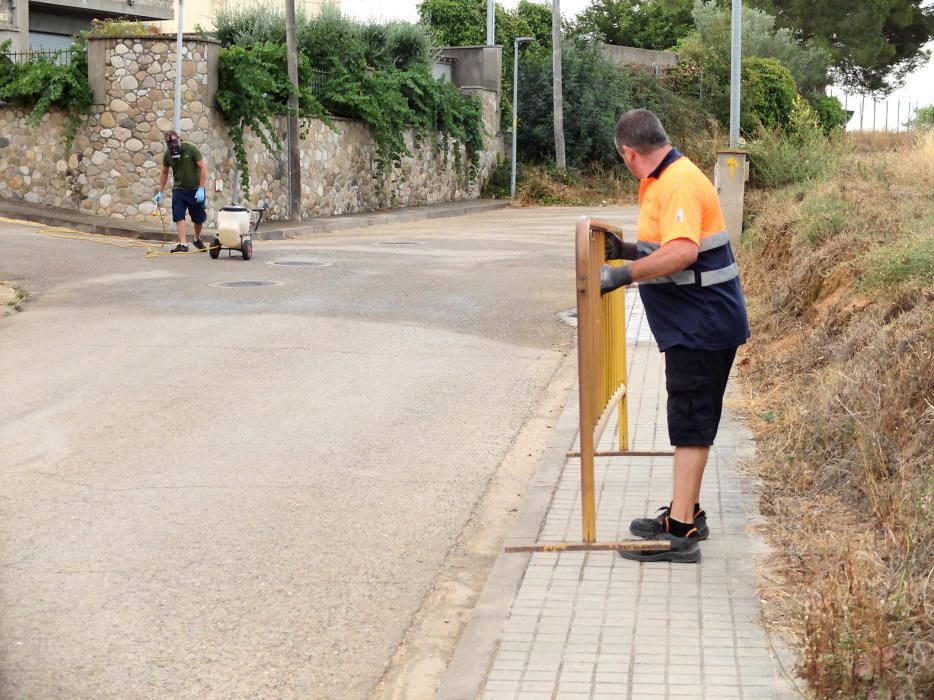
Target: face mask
(175,148)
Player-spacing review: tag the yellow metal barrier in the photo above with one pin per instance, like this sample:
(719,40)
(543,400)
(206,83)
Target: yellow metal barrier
(601,352)
(602,368)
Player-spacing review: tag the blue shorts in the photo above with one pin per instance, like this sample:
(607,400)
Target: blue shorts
(184,200)
(696,381)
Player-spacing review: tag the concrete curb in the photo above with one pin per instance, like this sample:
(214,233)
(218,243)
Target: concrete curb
(469,666)
(273,231)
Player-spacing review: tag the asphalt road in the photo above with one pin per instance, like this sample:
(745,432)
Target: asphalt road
(247,492)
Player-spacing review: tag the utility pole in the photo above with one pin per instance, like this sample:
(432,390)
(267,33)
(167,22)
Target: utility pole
(295,173)
(515,110)
(178,69)
(560,161)
(736,57)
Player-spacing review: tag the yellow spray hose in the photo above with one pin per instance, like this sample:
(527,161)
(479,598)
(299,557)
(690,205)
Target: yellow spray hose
(117,241)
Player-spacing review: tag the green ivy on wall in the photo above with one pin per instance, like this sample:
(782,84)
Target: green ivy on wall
(377,73)
(253,88)
(43,83)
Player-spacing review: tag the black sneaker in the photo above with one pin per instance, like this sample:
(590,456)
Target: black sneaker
(179,249)
(198,244)
(684,550)
(650,528)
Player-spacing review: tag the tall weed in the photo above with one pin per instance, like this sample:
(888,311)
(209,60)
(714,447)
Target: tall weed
(797,152)
(839,378)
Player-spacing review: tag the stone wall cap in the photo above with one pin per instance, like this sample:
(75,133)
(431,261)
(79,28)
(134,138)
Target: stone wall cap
(159,37)
(478,46)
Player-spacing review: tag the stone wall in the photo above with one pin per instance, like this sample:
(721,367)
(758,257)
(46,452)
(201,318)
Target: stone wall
(116,160)
(631,56)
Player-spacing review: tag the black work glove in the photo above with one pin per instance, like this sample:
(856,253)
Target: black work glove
(616,249)
(613,278)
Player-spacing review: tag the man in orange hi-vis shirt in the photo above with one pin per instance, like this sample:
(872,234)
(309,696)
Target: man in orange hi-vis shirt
(689,285)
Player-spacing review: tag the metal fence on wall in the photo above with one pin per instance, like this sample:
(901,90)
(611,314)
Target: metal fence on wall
(60,56)
(870,114)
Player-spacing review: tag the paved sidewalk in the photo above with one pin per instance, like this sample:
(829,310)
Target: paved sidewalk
(268,231)
(594,625)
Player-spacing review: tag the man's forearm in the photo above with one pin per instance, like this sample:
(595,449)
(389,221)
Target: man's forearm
(672,257)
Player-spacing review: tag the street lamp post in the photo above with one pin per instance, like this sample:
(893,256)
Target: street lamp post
(515,108)
(490,14)
(178,69)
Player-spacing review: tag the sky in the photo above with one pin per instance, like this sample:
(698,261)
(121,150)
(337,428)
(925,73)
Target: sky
(918,89)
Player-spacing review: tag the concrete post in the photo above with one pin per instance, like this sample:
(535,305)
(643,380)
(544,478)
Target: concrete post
(730,177)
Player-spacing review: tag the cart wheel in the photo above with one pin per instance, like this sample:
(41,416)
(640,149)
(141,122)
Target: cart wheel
(214,250)
(246,247)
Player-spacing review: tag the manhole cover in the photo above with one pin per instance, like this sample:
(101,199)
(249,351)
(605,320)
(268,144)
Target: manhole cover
(301,263)
(247,283)
(569,317)
(397,242)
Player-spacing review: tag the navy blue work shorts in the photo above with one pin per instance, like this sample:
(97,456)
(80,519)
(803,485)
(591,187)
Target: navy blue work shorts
(184,200)
(696,381)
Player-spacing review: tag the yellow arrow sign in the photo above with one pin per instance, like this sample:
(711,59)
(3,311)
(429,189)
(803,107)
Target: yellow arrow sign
(731,164)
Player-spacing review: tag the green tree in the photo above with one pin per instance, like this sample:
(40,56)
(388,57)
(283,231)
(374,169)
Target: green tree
(874,43)
(463,23)
(707,50)
(709,46)
(655,25)
(455,22)
(537,17)
(596,93)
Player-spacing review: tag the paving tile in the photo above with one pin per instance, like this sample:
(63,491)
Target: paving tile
(501,686)
(592,624)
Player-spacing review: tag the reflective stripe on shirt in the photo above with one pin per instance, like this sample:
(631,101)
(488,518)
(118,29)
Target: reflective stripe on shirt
(688,276)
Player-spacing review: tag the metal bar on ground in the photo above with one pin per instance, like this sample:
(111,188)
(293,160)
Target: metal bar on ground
(629,546)
(625,453)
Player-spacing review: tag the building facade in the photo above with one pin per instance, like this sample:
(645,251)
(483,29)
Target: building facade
(201,12)
(51,24)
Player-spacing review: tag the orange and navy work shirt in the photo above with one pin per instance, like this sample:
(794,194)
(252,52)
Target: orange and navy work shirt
(701,307)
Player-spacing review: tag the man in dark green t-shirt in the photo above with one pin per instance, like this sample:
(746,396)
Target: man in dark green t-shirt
(189,173)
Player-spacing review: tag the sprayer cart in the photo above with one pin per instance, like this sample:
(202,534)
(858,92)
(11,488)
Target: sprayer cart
(235,229)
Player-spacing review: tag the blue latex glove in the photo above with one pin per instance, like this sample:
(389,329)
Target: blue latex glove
(158,198)
(199,195)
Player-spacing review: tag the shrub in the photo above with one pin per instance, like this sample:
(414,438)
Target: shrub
(768,94)
(794,152)
(245,24)
(924,118)
(829,111)
(121,27)
(823,217)
(909,259)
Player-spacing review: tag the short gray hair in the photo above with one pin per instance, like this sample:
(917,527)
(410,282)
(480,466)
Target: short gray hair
(641,130)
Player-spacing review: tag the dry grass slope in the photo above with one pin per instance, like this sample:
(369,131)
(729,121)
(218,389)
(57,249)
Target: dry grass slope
(839,378)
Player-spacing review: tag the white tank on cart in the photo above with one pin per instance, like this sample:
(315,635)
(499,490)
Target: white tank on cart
(232,224)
